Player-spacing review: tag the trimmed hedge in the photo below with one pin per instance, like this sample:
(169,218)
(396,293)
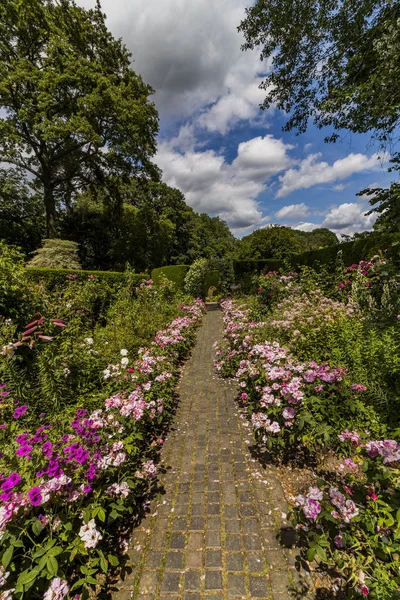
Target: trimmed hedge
(244,267)
(212,280)
(175,273)
(352,252)
(245,270)
(59,277)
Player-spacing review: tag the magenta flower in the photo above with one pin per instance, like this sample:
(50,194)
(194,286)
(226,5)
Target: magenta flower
(12,480)
(24,450)
(35,496)
(21,410)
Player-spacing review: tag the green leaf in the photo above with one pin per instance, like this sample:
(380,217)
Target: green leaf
(37,527)
(7,556)
(52,565)
(321,553)
(113,560)
(103,564)
(55,551)
(310,554)
(27,576)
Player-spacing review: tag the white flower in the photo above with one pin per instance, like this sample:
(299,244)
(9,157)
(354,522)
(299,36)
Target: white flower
(58,590)
(89,534)
(3,576)
(124,361)
(7,322)
(107,373)
(124,352)
(8,350)
(89,341)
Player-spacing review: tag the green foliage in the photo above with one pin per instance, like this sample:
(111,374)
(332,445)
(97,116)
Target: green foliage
(56,254)
(195,279)
(62,277)
(276,241)
(175,273)
(15,298)
(79,113)
(336,63)
(246,271)
(212,279)
(352,252)
(21,212)
(317,238)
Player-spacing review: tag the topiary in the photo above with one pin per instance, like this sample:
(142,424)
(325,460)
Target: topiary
(56,254)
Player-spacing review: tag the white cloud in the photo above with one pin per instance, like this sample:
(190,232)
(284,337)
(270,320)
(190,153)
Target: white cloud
(212,185)
(189,51)
(304,226)
(340,187)
(311,172)
(292,211)
(349,217)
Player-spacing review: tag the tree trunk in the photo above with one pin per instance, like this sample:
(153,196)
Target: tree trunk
(50,210)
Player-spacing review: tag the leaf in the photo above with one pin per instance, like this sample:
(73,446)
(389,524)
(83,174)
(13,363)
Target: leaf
(55,551)
(37,527)
(52,565)
(103,564)
(113,560)
(27,576)
(7,556)
(321,553)
(310,554)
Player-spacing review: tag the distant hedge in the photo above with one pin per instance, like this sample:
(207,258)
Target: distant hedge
(175,273)
(60,277)
(352,252)
(246,269)
(212,280)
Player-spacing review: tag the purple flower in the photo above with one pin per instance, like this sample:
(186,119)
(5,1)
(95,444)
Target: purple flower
(81,412)
(24,450)
(35,496)
(81,456)
(3,426)
(12,481)
(5,496)
(21,410)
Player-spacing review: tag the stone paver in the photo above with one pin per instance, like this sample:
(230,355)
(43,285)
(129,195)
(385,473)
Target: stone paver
(212,534)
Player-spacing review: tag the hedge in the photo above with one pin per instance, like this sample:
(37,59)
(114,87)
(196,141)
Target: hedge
(60,277)
(244,267)
(352,252)
(212,280)
(175,273)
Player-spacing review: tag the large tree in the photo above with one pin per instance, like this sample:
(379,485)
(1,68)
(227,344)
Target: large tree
(335,62)
(274,241)
(75,111)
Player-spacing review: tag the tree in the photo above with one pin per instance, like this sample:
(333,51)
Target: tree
(21,212)
(274,241)
(56,254)
(335,61)
(75,110)
(317,238)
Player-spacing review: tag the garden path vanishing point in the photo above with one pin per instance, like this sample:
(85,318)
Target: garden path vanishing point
(212,533)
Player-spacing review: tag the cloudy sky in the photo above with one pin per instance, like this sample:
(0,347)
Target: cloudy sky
(227,156)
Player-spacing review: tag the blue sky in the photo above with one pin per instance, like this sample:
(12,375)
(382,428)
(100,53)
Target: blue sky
(227,156)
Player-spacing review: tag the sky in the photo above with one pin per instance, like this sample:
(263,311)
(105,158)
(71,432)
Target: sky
(227,156)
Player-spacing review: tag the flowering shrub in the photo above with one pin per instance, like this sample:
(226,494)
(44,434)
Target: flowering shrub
(289,402)
(68,488)
(273,288)
(353,524)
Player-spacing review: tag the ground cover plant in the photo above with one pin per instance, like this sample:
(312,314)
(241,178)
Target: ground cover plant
(317,361)
(85,397)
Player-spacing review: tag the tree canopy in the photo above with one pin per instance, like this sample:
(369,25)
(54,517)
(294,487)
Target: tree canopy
(75,111)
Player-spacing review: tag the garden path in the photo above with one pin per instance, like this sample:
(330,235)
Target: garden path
(212,534)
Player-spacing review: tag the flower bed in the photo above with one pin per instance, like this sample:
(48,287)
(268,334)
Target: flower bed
(68,492)
(350,520)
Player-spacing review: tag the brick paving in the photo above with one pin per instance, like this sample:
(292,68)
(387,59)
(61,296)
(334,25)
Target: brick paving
(212,534)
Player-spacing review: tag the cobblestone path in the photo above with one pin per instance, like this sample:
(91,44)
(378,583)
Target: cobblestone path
(212,534)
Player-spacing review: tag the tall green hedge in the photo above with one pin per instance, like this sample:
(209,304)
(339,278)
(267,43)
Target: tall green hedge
(175,273)
(245,270)
(352,252)
(60,277)
(212,280)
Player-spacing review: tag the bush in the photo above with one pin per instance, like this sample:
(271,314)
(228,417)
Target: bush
(196,278)
(61,277)
(57,254)
(175,273)
(352,252)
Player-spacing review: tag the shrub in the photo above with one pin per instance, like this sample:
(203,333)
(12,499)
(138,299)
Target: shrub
(175,273)
(352,252)
(57,254)
(61,278)
(246,270)
(211,280)
(196,277)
